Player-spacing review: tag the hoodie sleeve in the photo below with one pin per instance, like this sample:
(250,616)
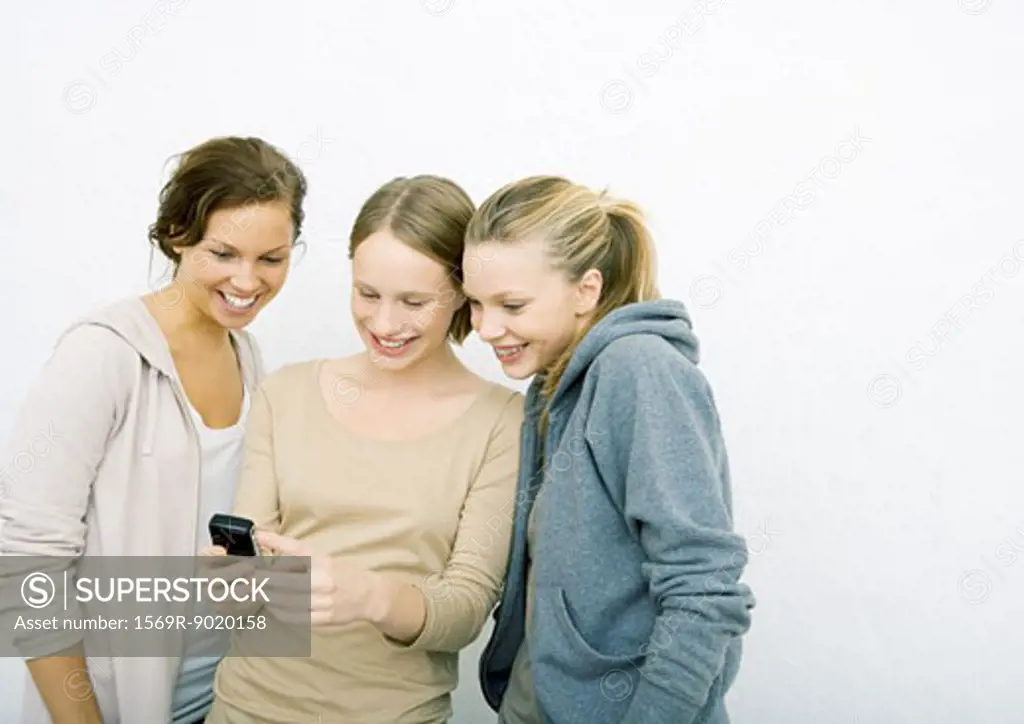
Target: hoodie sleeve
(58,441)
(666,465)
(56,446)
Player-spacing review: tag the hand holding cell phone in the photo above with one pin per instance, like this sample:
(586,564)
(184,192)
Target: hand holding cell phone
(235,534)
(229,556)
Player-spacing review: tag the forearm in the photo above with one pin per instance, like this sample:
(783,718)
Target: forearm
(444,614)
(66,688)
(397,609)
(675,675)
(446,610)
(685,652)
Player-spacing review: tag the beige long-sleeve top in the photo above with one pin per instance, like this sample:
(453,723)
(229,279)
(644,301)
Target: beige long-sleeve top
(436,512)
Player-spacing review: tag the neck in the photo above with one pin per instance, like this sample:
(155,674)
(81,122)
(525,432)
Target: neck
(182,323)
(437,366)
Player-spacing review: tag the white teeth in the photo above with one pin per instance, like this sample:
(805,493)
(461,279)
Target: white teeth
(392,345)
(238,302)
(509,351)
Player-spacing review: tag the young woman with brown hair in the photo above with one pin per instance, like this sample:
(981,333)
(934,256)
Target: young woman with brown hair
(149,397)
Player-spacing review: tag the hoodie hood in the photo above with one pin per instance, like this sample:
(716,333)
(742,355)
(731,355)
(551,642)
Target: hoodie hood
(131,320)
(666,318)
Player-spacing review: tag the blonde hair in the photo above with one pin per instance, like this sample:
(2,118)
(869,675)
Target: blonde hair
(428,214)
(583,230)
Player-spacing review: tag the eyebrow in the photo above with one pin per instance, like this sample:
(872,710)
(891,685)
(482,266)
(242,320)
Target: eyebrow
(501,296)
(235,248)
(360,283)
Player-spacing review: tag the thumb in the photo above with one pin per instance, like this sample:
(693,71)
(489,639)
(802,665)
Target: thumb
(282,545)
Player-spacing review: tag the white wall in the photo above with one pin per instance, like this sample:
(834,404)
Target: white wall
(879,484)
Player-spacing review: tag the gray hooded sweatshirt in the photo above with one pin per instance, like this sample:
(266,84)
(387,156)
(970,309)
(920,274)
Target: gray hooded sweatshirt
(638,610)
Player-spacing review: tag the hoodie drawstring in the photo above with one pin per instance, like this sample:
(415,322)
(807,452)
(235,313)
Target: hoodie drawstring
(151,411)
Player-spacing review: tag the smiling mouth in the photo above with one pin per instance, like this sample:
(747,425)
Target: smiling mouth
(392,345)
(240,304)
(510,352)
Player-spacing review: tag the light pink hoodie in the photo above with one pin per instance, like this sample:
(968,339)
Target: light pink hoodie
(104,460)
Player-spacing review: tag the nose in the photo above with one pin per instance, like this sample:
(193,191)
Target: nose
(386,322)
(245,279)
(488,326)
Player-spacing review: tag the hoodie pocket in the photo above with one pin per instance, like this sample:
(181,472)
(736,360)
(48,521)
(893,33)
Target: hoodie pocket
(589,660)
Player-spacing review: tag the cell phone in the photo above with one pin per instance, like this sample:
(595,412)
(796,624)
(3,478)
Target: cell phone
(234,533)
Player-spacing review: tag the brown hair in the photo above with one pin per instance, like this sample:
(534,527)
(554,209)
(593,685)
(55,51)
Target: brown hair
(583,230)
(428,214)
(223,172)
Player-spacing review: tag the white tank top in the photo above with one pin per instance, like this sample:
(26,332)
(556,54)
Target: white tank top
(220,468)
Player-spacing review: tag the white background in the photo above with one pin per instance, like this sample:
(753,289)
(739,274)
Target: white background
(873,419)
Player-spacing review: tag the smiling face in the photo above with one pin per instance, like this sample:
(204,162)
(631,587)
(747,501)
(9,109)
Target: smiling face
(241,263)
(528,311)
(402,301)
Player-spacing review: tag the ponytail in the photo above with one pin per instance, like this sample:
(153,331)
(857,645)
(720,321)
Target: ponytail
(631,241)
(584,230)
(629,270)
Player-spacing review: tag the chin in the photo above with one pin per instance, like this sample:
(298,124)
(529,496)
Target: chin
(386,363)
(522,370)
(519,376)
(236,324)
(235,321)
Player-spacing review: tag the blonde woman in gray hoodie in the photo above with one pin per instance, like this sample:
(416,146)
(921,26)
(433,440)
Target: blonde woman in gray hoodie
(145,403)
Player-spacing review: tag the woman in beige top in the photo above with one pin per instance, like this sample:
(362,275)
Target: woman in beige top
(395,470)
